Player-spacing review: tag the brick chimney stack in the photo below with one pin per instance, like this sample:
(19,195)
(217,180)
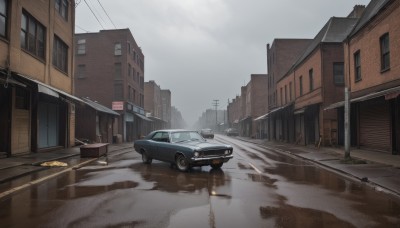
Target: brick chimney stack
(357,11)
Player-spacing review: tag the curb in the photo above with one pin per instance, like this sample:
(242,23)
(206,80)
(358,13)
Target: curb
(335,170)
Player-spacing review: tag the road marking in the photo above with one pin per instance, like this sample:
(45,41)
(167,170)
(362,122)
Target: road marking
(37,181)
(255,168)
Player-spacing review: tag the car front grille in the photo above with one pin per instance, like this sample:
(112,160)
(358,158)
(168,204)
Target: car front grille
(207,153)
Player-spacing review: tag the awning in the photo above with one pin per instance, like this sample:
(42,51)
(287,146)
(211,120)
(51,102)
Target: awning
(334,105)
(48,87)
(99,107)
(236,121)
(280,108)
(143,117)
(11,81)
(262,117)
(299,111)
(245,118)
(44,89)
(388,93)
(377,94)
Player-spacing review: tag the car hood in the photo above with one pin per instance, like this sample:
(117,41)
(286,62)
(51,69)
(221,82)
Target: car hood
(196,145)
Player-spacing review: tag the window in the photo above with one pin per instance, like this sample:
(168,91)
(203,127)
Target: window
(81,71)
(285,94)
(3,17)
(81,46)
(129,70)
(281,97)
(290,91)
(301,85)
(62,8)
(142,82)
(141,100)
(134,95)
(338,73)
(118,73)
(32,35)
(60,54)
(118,92)
(357,66)
(311,77)
(385,52)
(117,49)
(129,93)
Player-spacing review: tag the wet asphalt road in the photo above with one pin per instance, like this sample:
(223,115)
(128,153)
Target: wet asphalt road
(258,188)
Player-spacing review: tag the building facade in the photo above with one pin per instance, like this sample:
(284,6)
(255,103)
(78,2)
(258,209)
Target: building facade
(281,55)
(36,76)
(166,106)
(157,104)
(110,70)
(372,69)
(316,80)
(94,122)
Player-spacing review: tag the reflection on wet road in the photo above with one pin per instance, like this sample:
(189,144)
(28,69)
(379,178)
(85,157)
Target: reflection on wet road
(258,188)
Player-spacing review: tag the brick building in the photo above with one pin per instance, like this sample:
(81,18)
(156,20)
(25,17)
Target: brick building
(157,104)
(166,106)
(233,112)
(252,103)
(315,81)
(281,56)
(372,63)
(36,76)
(110,71)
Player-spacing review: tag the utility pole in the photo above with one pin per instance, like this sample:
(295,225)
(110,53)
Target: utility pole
(346,123)
(216,103)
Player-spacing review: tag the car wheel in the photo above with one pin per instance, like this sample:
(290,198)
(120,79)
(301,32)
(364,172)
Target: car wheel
(181,163)
(217,166)
(145,158)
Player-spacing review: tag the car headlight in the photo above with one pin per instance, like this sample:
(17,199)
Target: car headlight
(227,152)
(196,154)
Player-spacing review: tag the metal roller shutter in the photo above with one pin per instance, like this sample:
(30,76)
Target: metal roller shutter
(375,125)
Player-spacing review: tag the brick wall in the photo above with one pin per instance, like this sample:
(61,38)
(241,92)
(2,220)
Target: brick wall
(368,42)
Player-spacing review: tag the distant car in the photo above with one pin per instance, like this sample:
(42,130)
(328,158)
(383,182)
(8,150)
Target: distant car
(232,132)
(207,133)
(182,148)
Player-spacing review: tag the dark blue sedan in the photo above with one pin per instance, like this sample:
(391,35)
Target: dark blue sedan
(182,148)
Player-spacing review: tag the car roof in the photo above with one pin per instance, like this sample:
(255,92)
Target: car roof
(175,130)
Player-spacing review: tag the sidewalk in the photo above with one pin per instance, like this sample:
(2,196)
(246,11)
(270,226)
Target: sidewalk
(18,166)
(381,170)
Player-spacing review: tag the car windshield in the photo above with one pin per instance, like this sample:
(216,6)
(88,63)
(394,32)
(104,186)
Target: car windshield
(186,136)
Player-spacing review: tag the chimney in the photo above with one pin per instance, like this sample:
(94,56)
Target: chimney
(357,11)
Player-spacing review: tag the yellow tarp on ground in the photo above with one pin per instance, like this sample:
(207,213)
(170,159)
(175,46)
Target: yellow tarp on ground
(54,163)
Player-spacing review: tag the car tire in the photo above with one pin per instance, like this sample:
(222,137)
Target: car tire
(145,158)
(182,163)
(217,166)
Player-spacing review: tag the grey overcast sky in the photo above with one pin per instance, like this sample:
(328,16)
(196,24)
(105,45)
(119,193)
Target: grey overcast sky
(204,50)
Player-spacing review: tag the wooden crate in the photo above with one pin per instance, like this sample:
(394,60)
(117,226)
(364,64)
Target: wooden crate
(94,150)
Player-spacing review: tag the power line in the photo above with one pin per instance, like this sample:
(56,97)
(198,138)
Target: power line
(81,28)
(96,11)
(106,14)
(93,14)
